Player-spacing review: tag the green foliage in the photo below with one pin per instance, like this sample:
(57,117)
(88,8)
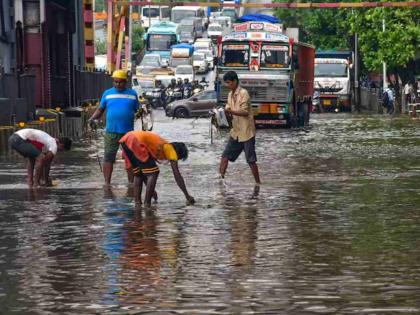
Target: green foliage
(100,47)
(137,39)
(325,29)
(397,45)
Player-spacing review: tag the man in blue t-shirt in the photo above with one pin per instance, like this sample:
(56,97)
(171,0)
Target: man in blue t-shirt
(120,104)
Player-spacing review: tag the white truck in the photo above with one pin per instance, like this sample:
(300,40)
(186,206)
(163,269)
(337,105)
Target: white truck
(333,80)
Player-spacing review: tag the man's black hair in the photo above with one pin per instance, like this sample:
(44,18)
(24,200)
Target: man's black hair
(66,142)
(231,76)
(181,150)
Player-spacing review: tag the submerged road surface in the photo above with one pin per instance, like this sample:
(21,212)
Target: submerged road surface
(334,229)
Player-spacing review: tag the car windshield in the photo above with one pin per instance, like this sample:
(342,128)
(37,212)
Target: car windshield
(150,64)
(184,70)
(235,55)
(179,61)
(149,58)
(186,28)
(215,28)
(177,16)
(274,56)
(146,84)
(330,70)
(198,57)
(150,12)
(161,41)
(230,13)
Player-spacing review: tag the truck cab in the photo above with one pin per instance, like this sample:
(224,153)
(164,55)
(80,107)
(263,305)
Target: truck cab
(333,80)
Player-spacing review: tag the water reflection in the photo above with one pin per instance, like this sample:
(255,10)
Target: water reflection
(333,229)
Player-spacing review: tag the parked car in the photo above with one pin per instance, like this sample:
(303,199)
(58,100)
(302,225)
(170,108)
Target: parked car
(198,105)
(185,71)
(200,62)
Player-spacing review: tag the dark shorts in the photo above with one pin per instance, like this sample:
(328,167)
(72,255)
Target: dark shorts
(23,147)
(141,168)
(111,145)
(234,148)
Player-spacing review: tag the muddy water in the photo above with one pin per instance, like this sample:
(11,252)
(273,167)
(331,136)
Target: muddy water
(334,229)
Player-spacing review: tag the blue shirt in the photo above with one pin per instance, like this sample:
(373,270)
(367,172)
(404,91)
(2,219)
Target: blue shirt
(121,107)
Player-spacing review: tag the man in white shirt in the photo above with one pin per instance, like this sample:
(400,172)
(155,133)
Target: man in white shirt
(39,148)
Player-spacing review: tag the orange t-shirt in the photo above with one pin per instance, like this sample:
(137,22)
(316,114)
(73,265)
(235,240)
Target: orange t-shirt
(144,144)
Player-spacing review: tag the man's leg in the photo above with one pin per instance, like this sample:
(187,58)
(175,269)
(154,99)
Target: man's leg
(111,145)
(251,158)
(30,164)
(108,168)
(224,162)
(130,175)
(138,187)
(255,173)
(150,188)
(232,151)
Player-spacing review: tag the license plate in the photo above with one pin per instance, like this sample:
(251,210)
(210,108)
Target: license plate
(270,122)
(326,102)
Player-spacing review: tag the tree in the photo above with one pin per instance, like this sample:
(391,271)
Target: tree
(100,5)
(397,46)
(100,47)
(137,39)
(325,29)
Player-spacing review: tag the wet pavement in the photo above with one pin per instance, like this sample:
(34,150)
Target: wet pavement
(334,229)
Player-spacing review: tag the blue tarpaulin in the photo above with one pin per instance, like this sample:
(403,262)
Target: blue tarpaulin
(258,18)
(190,47)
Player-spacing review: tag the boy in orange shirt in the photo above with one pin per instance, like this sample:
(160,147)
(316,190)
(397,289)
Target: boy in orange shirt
(141,151)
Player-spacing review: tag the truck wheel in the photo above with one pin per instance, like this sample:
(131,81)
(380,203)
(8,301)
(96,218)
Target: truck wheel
(181,112)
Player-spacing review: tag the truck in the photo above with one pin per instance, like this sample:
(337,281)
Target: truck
(160,37)
(181,54)
(276,70)
(333,80)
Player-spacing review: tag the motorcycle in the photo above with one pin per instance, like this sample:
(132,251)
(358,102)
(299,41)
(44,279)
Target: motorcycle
(173,94)
(187,92)
(204,84)
(155,98)
(197,90)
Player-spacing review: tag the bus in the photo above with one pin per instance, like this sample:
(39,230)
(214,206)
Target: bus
(160,37)
(153,14)
(180,13)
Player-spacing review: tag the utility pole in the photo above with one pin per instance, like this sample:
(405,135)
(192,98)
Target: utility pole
(384,84)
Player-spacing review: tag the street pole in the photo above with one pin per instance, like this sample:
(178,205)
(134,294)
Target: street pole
(130,38)
(356,72)
(384,84)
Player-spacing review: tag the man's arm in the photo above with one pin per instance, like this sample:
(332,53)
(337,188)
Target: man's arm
(97,114)
(180,181)
(42,161)
(49,156)
(243,107)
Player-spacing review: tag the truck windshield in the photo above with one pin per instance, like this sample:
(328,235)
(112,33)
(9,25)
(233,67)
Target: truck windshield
(146,84)
(235,55)
(160,41)
(274,56)
(152,12)
(177,16)
(186,28)
(330,70)
(215,28)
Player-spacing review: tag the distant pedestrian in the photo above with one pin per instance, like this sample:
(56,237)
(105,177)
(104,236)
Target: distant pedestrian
(388,100)
(39,148)
(141,151)
(121,105)
(408,92)
(242,134)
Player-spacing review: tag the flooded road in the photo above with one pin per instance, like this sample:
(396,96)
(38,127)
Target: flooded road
(334,228)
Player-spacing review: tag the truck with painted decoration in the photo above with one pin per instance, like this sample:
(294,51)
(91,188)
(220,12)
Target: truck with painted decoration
(333,80)
(277,71)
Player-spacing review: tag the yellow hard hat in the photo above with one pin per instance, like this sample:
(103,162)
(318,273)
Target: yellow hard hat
(120,74)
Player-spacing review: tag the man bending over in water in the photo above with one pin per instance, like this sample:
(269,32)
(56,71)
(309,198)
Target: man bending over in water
(39,148)
(141,150)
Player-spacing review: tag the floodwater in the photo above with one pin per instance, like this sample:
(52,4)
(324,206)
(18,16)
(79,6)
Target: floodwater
(334,228)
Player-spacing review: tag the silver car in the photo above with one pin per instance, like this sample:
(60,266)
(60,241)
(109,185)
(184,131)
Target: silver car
(198,105)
